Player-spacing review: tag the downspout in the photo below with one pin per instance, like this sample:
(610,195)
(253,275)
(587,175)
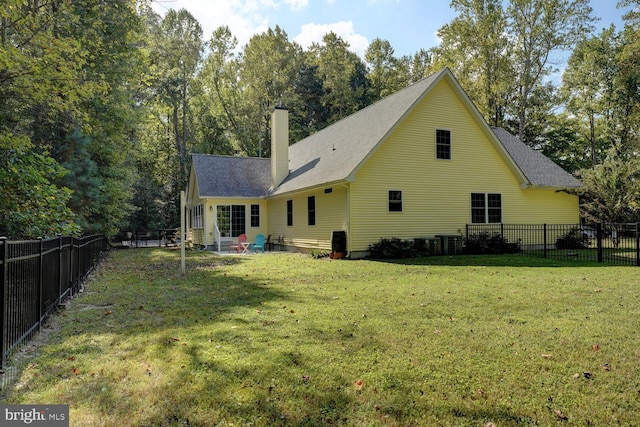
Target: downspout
(348,216)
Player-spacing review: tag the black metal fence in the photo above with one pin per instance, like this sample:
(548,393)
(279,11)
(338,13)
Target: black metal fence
(617,244)
(36,276)
(146,238)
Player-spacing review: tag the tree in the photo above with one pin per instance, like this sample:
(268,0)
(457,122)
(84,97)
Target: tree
(268,69)
(63,100)
(222,92)
(177,54)
(538,28)
(384,74)
(342,74)
(612,188)
(475,46)
(588,90)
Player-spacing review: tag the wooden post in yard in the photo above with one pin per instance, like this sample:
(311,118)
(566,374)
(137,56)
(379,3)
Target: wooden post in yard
(182,233)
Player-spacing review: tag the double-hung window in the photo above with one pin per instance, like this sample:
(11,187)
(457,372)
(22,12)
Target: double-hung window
(311,210)
(443,144)
(289,213)
(255,215)
(196,221)
(395,201)
(486,208)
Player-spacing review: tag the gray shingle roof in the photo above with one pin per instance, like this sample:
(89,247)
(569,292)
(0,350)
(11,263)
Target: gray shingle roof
(537,168)
(335,152)
(226,176)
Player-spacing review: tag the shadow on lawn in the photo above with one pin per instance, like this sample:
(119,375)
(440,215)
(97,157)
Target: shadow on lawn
(492,261)
(151,347)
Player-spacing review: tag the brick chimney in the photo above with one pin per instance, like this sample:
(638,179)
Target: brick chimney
(279,145)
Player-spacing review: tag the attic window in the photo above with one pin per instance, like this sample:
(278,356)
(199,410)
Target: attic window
(395,201)
(328,190)
(443,144)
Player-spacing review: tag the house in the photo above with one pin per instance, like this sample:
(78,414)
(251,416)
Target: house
(420,163)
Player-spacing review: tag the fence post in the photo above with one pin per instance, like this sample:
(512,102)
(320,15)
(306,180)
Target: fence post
(637,245)
(599,240)
(40,282)
(544,238)
(4,282)
(59,269)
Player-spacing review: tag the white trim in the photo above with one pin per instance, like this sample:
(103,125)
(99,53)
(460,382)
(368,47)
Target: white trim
(435,145)
(486,207)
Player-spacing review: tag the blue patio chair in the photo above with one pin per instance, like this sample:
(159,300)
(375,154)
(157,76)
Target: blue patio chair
(259,243)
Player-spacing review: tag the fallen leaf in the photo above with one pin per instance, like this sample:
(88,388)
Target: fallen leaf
(71,358)
(358,384)
(595,347)
(560,415)
(606,367)
(76,371)
(176,339)
(547,356)
(107,312)
(306,378)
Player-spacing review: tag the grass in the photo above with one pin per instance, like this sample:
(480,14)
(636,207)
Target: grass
(284,339)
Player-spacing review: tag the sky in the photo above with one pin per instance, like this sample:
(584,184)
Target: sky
(409,25)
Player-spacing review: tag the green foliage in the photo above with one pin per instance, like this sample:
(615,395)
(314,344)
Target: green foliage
(393,248)
(573,239)
(612,188)
(318,253)
(31,205)
(485,243)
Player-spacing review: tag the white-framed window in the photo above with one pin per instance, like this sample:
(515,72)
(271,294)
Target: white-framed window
(255,216)
(289,213)
(486,208)
(196,221)
(311,210)
(395,201)
(443,144)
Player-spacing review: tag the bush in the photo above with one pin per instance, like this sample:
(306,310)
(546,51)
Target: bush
(393,248)
(574,239)
(318,253)
(487,243)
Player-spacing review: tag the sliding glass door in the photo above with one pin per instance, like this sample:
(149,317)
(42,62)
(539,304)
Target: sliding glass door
(231,220)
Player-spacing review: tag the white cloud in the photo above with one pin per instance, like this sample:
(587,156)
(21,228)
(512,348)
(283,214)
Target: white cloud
(243,17)
(313,33)
(297,4)
(246,18)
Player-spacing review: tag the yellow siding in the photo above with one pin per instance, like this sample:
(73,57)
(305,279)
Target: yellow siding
(331,213)
(211,210)
(437,193)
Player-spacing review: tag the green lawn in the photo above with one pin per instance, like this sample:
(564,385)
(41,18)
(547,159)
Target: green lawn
(284,339)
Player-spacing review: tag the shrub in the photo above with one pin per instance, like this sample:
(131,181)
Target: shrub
(318,253)
(393,248)
(488,243)
(574,239)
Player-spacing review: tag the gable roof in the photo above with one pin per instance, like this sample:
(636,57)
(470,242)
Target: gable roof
(227,176)
(335,152)
(539,169)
